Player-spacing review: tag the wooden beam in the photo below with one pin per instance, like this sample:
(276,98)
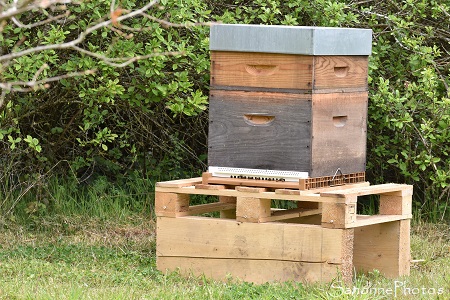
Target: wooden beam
(385,247)
(223,238)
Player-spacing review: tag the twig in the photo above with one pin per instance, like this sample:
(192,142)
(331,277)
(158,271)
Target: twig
(127,60)
(80,37)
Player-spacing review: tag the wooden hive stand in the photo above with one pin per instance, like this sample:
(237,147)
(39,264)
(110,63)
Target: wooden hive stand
(319,239)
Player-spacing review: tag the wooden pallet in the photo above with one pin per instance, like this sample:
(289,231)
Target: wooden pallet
(319,239)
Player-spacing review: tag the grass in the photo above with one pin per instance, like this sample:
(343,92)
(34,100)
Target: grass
(96,244)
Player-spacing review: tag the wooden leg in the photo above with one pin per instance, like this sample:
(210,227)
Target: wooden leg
(251,209)
(385,247)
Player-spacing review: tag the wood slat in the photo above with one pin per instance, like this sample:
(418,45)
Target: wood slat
(180,182)
(256,271)
(222,238)
(266,195)
(290,214)
(369,190)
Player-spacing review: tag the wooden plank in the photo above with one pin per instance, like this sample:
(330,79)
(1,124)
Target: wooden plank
(210,187)
(261,70)
(362,220)
(255,271)
(341,72)
(339,124)
(180,182)
(290,214)
(208,207)
(224,238)
(384,247)
(387,188)
(281,144)
(266,195)
(250,189)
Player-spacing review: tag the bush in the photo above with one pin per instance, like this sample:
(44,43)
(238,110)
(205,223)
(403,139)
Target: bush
(150,115)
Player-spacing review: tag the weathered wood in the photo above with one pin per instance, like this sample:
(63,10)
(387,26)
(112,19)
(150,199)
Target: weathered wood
(385,247)
(338,133)
(282,144)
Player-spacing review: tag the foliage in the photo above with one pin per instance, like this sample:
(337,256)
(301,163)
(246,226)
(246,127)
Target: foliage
(150,115)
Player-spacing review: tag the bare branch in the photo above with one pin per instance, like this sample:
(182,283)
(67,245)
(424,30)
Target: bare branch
(36,24)
(80,37)
(125,60)
(170,24)
(28,5)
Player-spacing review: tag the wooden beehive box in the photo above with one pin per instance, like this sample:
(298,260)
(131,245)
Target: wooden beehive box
(289,98)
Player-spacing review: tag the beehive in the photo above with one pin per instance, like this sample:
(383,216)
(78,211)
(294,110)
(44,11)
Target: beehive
(289,98)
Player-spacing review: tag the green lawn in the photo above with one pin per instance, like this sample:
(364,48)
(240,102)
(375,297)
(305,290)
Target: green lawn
(86,258)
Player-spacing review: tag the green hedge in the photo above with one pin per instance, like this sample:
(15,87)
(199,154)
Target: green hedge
(150,117)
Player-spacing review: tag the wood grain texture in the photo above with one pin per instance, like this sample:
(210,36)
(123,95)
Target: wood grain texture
(255,271)
(339,132)
(385,247)
(343,72)
(261,70)
(243,70)
(253,252)
(224,238)
(284,144)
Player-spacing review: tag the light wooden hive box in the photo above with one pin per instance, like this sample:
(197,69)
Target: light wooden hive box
(289,98)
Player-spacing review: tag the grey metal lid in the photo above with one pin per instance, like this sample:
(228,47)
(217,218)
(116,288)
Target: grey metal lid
(291,39)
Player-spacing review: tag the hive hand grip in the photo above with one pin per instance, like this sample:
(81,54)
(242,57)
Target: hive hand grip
(339,121)
(261,70)
(258,119)
(341,71)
